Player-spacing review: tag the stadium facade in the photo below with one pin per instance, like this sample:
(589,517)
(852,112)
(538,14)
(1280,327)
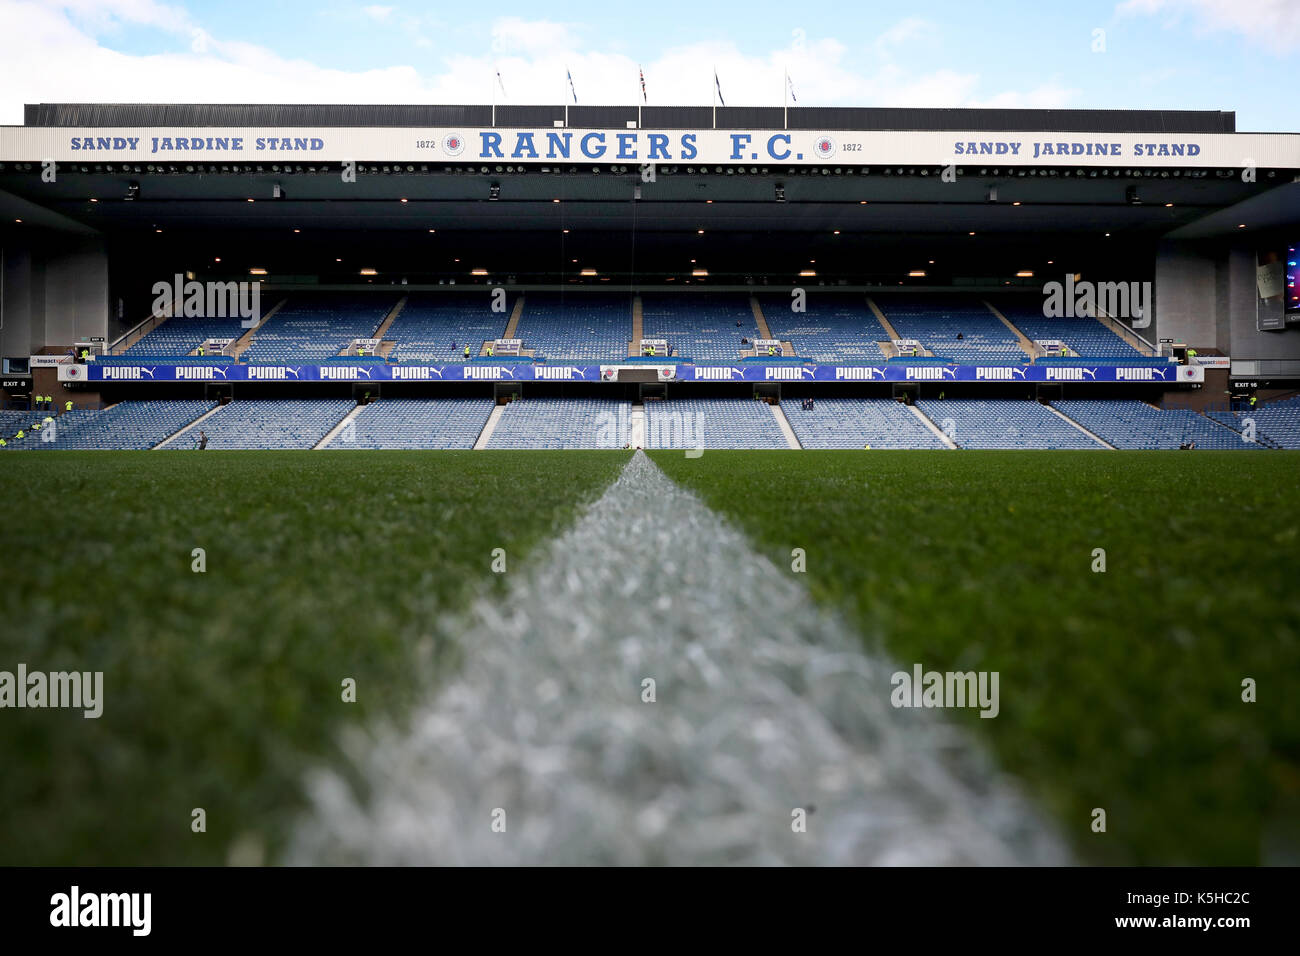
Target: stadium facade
(624,254)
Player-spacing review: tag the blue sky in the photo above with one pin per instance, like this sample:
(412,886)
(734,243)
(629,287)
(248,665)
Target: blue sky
(1237,55)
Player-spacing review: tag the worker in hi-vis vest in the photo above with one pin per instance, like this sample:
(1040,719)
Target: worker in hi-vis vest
(21,434)
(467,351)
(489,350)
(201,350)
(67,406)
(771,350)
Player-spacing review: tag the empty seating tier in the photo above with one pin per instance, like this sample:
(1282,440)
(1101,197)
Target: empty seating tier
(858,422)
(835,327)
(591,326)
(436,327)
(1003,423)
(562,423)
(180,336)
(1134,424)
(712,423)
(1085,336)
(951,326)
(267,423)
(314,326)
(416,423)
(707,327)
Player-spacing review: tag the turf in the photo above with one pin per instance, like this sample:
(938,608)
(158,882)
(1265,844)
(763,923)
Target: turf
(221,687)
(1120,690)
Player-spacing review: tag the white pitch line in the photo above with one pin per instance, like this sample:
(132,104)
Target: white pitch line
(765,704)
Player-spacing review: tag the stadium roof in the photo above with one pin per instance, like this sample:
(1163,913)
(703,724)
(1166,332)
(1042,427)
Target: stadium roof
(617,117)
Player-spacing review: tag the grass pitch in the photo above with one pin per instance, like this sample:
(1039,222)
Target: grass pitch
(1120,690)
(221,687)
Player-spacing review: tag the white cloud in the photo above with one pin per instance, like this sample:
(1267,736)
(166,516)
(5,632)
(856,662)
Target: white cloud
(52,53)
(1274,24)
(378,13)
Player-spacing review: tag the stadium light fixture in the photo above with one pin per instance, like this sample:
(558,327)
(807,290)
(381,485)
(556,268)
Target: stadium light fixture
(370,272)
(1016,203)
(916,274)
(554,200)
(218,259)
(251,200)
(1169,205)
(587,272)
(17,220)
(808,273)
(970,234)
(699,232)
(836,233)
(700,273)
(257,272)
(1242,226)
(1024,274)
(403,199)
(478,272)
(93,199)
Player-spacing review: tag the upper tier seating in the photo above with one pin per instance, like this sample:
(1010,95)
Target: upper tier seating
(1085,336)
(699,326)
(836,326)
(416,423)
(430,322)
(712,423)
(936,321)
(180,336)
(313,326)
(590,326)
(1003,423)
(268,423)
(562,423)
(1127,423)
(856,423)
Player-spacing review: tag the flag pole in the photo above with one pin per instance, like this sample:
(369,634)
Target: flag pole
(785,101)
(566,99)
(715,97)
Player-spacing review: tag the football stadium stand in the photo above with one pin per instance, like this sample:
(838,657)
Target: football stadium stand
(1003,423)
(1277,424)
(1084,336)
(1127,423)
(938,321)
(591,326)
(429,324)
(126,425)
(267,423)
(857,423)
(416,423)
(563,423)
(836,327)
(700,327)
(314,327)
(712,423)
(179,336)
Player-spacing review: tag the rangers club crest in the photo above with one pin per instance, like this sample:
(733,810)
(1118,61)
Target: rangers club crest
(453,144)
(824,147)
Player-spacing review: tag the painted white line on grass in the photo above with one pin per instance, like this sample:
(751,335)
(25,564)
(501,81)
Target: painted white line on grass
(764,704)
